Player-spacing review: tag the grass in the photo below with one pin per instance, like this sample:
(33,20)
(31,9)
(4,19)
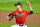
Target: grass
(9,6)
(8,25)
(5,25)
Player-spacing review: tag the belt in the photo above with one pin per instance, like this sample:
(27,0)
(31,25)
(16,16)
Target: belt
(21,24)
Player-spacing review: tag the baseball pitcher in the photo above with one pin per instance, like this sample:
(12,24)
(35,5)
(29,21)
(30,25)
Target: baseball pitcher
(20,15)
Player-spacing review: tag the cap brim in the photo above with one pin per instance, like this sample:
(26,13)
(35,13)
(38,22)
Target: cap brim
(17,4)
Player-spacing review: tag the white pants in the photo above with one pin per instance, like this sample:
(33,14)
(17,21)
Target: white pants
(19,26)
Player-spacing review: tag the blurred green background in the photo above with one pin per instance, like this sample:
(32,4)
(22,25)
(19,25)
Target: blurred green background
(8,5)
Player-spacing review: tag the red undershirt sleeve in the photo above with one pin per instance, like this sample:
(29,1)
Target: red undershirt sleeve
(28,12)
(12,13)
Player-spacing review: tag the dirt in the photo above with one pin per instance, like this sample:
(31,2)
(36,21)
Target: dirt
(33,19)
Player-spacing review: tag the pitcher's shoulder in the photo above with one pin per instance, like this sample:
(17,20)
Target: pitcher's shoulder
(24,10)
